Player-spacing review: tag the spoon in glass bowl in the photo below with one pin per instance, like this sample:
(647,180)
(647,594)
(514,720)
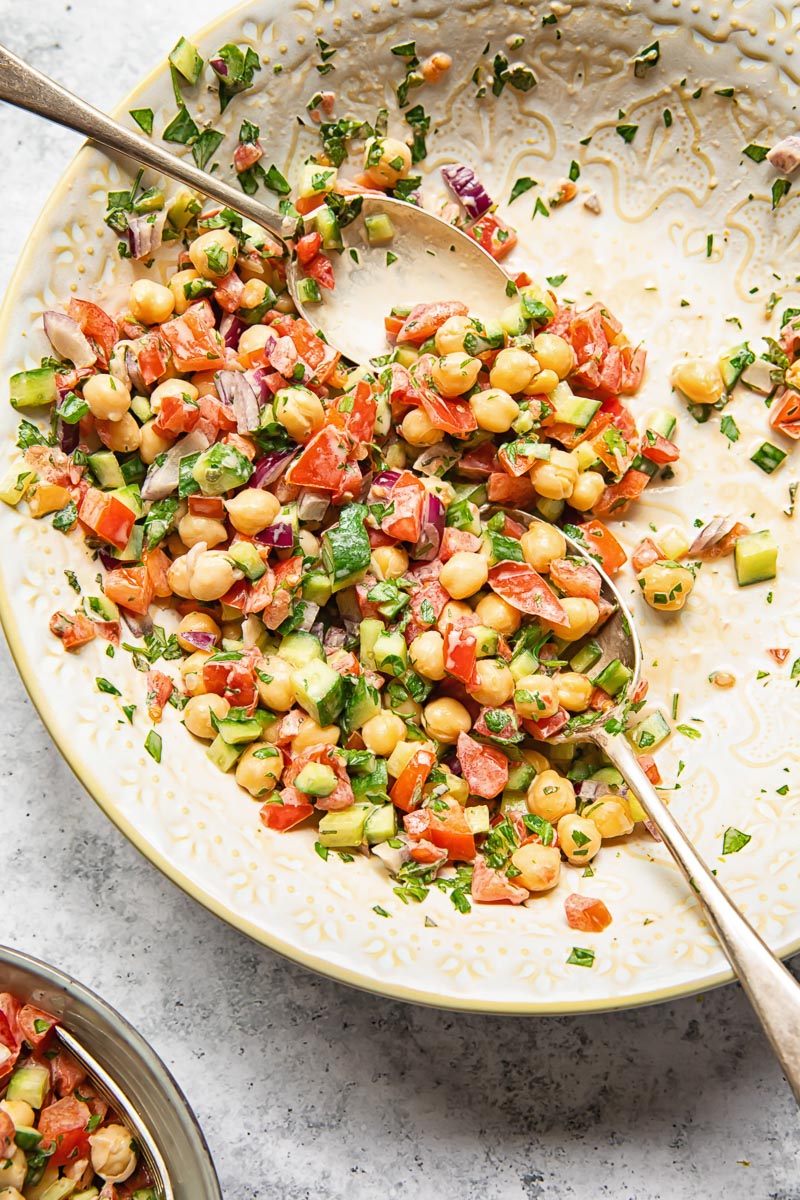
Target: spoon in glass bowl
(770,988)
(431,260)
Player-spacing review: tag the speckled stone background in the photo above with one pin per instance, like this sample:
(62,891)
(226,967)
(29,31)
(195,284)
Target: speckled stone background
(305,1089)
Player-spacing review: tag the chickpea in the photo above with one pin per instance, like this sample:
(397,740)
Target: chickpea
(114,1156)
(252,510)
(555,477)
(150,302)
(175,547)
(232,630)
(386,160)
(699,381)
(582,615)
(14,1169)
(513,370)
(197,714)
(574,691)
(441,488)
(253,294)
(108,399)
(551,796)
(20,1112)
(455,374)
(381,733)
(579,838)
(178,577)
(396,456)
(177,285)
(193,529)
(312,734)
(152,443)
(498,614)
(464,574)
(433,68)
(494,409)
(172,387)
(542,384)
(254,338)
(191,670)
(536,697)
(300,412)
(11,1193)
(612,817)
(445,718)
(197,622)
(213,575)
(588,489)
(495,682)
(554,353)
(259,769)
(452,613)
(449,338)
(418,430)
(214,253)
(122,436)
(541,544)
(426,653)
(539,866)
(308,543)
(666,586)
(274,683)
(389,562)
(536,759)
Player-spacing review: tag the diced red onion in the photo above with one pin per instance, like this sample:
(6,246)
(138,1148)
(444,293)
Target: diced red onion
(468,189)
(270,467)
(108,560)
(312,505)
(309,615)
(68,340)
(280,535)
(785,156)
(68,436)
(430,538)
(219,65)
(138,625)
(334,638)
(453,765)
(200,639)
(386,479)
(134,371)
(266,382)
(162,481)
(231,328)
(710,534)
(652,830)
(145,233)
(237,390)
(349,611)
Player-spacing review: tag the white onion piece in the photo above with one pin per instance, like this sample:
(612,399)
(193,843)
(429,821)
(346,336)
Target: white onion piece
(710,534)
(785,156)
(162,481)
(68,340)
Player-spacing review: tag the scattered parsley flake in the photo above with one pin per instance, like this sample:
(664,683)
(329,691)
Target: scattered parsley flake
(376,908)
(627,132)
(579,957)
(733,840)
(756,153)
(729,427)
(780,188)
(522,185)
(103,685)
(153,745)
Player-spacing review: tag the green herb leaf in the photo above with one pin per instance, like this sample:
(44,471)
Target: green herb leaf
(579,957)
(733,840)
(645,59)
(667,118)
(103,685)
(205,146)
(153,744)
(129,710)
(143,118)
(689,731)
(729,427)
(376,908)
(181,129)
(627,132)
(757,153)
(780,188)
(66,517)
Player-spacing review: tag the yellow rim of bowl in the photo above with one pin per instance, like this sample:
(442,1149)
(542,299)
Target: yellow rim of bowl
(98,790)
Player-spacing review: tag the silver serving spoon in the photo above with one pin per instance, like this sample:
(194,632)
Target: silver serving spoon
(770,988)
(434,260)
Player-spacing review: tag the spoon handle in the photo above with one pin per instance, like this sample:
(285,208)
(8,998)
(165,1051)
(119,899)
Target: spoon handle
(25,87)
(770,988)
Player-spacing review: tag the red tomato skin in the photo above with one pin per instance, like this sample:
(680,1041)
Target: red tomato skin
(487,233)
(307,247)
(525,590)
(130,587)
(75,631)
(95,324)
(661,450)
(64,1123)
(406,792)
(601,541)
(404,522)
(107,517)
(451,832)
(645,554)
(460,655)
(586,913)
(28,1016)
(485,768)
(424,319)
(456,541)
(194,343)
(175,416)
(321,269)
(451,416)
(490,886)
(506,489)
(576,580)
(785,414)
(321,465)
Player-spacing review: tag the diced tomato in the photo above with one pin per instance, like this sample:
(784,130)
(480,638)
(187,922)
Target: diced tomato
(586,913)
(319,355)
(549,727)
(130,587)
(158,566)
(600,700)
(404,520)
(451,416)
(505,489)
(75,631)
(29,1015)
(449,831)
(633,363)
(107,517)
(650,768)
(63,1125)
(233,679)
(417,822)
(406,792)
(460,655)
(259,595)
(152,355)
(215,417)
(512,529)
(779,654)
(496,238)
(659,449)
(515,464)
(436,598)
(645,554)
(195,345)
(96,325)
(426,852)
(207,506)
(485,768)
(159,689)
(178,414)
(456,541)
(507,732)
(342,795)
(725,545)
(360,421)
(479,463)
(610,380)
(576,579)
(424,319)
(307,247)
(228,292)
(785,414)
(600,540)
(321,269)
(349,486)
(66,1074)
(617,497)
(490,886)
(322,462)
(7,1134)
(246,155)
(393,325)
(307,204)
(520,586)
(287,814)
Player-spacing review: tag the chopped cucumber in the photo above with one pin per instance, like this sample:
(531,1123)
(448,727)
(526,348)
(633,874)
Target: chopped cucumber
(316,588)
(100,608)
(662,421)
(390,653)
(649,733)
(222,754)
(487,641)
(346,550)
(300,648)
(380,229)
(551,510)
(756,556)
(513,801)
(484,337)
(363,704)
(609,775)
(523,663)
(240,732)
(344,828)
(733,362)
(370,630)
(562,753)
(30,1084)
(640,463)
(586,658)
(248,560)
(16,483)
(373,786)
(59,1189)
(221,468)
(326,223)
(308,290)
(381,824)
(401,756)
(182,207)
(133,470)
(185,58)
(405,354)
(31,389)
(130,496)
(768,457)
(571,409)
(477,817)
(463,514)
(520,776)
(134,549)
(316,779)
(613,677)
(140,407)
(513,319)
(320,691)
(27,1138)
(105,468)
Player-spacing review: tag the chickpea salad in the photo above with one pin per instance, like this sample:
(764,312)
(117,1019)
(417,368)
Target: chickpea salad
(58,1138)
(363,632)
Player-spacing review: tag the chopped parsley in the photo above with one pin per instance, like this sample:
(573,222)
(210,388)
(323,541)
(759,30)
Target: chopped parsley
(522,185)
(579,957)
(153,745)
(733,840)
